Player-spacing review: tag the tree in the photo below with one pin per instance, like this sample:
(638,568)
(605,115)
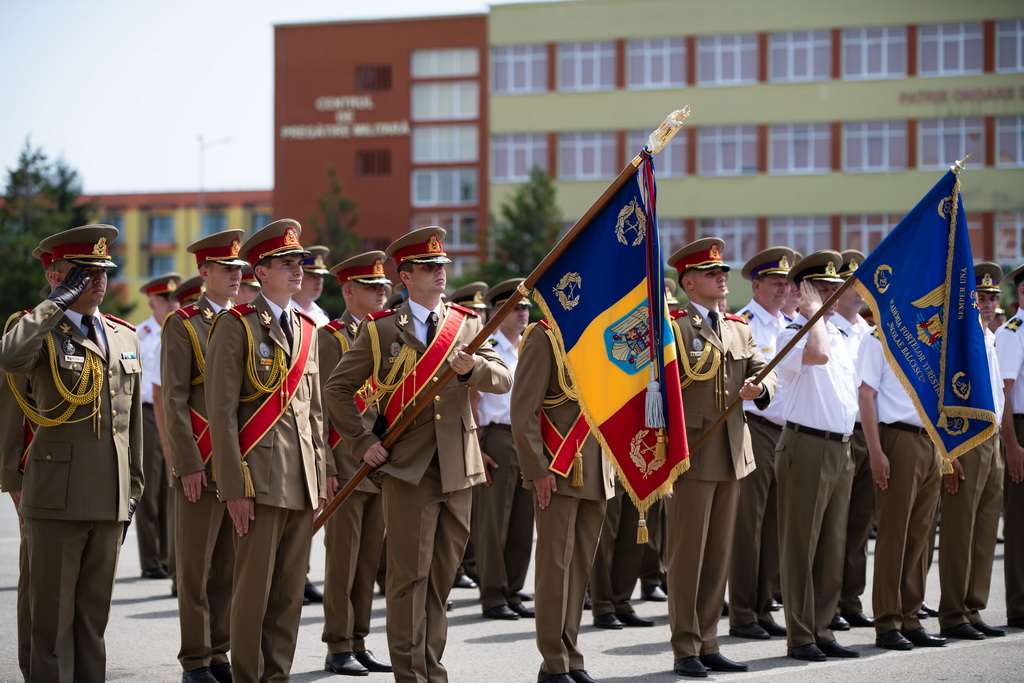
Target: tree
(40,199)
(526,230)
(335,229)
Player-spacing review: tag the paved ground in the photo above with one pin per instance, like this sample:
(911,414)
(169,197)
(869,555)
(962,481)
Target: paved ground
(142,639)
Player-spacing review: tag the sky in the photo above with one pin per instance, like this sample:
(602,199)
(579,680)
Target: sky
(122,90)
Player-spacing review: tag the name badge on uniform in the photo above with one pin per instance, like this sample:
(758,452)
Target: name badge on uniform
(264,350)
(128,355)
(69,347)
(74,359)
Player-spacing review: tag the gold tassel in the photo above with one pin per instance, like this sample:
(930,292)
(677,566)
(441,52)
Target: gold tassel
(661,449)
(577,470)
(250,492)
(941,424)
(641,530)
(947,466)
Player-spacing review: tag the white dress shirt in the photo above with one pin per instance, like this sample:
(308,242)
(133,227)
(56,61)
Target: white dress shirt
(496,408)
(766,329)
(149,354)
(1010,351)
(893,403)
(419,318)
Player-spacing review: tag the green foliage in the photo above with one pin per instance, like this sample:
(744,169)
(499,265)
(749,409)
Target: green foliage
(335,228)
(41,198)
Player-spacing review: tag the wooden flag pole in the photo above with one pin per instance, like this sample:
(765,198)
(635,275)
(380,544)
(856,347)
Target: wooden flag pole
(657,141)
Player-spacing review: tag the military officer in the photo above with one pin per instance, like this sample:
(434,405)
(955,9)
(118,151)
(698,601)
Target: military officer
(718,360)
(1010,352)
(502,509)
(265,418)
(427,475)
(569,517)
(971,503)
(84,472)
(354,535)
(204,540)
(151,522)
(754,569)
(189,291)
(813,461)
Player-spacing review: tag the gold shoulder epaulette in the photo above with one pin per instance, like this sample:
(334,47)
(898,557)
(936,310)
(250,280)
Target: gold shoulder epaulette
(1014,324)
(794,326)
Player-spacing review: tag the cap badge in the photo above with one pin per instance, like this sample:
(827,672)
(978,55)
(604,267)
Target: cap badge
(830,269)
(171,285)
(434,245)
(478,297)
(853,264)
(784,263)
(319,261)
(236,247)
(716,253)
(987,280)
(290,238)
(266,318)
(378,268)
(100,248)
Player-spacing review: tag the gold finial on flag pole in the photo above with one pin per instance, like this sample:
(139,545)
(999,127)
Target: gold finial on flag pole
(960,165)
(669,127)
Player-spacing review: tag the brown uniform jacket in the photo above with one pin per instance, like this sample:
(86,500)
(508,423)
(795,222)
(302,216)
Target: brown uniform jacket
(537,378)
(728,453)
(287,464)
(179,366)
(449,428)
(333,344)
(72,473)
(12,427)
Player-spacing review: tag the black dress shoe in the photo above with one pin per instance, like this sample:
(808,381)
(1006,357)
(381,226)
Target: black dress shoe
(833,649)
(200,675)
(773,628)
(158,573)
(752,631)
(312,594)
(373,664)
(580,676)
(806,653)
(346,664)
(653,593)
(929,610)
(1015,622)
(522,610)
(921,638)
(690,666)
(608,620)
(631,618)
(545,677)
(222,672)
(463,581)
(859,620)
(524,596)
(893,640)
(449,606)
(839,624)
(500,612)
(725,608)
(990,631)
(586,603)
(775,606)
(963,632)
(719,662)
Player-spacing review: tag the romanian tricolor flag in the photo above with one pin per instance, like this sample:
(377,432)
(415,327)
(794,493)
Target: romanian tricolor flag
(604,299)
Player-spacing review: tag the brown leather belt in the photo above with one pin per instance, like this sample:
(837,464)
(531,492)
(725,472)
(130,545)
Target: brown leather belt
(904,427)
(831,436)
(762,419)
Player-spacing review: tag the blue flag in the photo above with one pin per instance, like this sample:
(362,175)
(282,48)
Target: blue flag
(919,283)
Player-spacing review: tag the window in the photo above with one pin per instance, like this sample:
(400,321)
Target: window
(740,235)
(950,49)
(456,100)
(461,228)
(587,156)
(373,162)
(875,52)
(801,56)
(1010,141)
(259,220)
(864,232)
(115,219)
(801,148)
(213,220)
(875,146)
(1010,46)
(943,141)
(512,156)
(670,162)
(656,63)
(462,61)
(586,66)
(373,78)
(444,143)
(462,265)
(1010,238)
(517,69)
(727,150)
(806,234)
(444,186)
(727,60)
(159,265)
(161,229)
(672,232)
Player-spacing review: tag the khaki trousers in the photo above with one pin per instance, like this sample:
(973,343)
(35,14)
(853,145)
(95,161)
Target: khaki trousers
(814,477)
(967,546)
(568,532)
(700,518)
(617,562)
(1013,535)
(206,564)
(24,613)
(151,521)
(858,527)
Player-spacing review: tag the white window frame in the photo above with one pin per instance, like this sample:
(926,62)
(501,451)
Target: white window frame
(670,162)
(510,59)
(672,234)
(1013,125)
(726,135)
(454,225)
(430,63)
(1010,32)
(788,45)
(260,218)
(166,222)
(815,135)
(445,144)
(799,232)
(940,129)
(739,233)
(717,48)
(166,262)
(576,145)
(461,94)
(531,148)
(658,58)
(574,61)
(866,226)
(889,133)
(939,36)
(892,36)
(436,178)
(1013,223)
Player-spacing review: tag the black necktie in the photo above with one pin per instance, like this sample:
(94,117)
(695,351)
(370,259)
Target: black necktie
(94,334)
(713,319)
(431,327)
(286,325)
